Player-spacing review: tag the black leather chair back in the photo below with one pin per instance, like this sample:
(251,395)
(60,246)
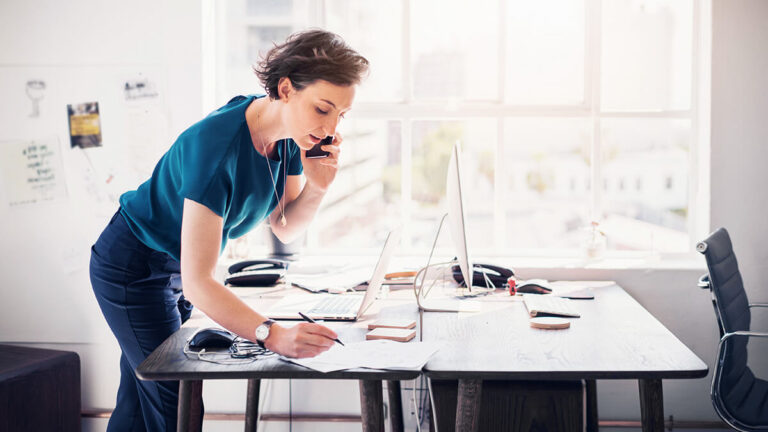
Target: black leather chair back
(731,305)
(735,392)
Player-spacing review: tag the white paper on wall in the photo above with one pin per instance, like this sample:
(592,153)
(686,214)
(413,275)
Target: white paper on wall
(31,171)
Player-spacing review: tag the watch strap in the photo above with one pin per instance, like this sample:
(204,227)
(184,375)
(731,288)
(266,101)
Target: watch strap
(268,323)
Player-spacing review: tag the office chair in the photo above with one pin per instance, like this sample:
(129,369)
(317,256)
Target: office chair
(739,398)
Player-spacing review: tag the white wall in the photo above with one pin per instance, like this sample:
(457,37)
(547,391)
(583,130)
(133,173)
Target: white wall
(739,198)
(104,39)
(84,51)
(740,134)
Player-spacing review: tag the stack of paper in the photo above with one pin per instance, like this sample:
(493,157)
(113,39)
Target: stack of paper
(322,282)
(376,354)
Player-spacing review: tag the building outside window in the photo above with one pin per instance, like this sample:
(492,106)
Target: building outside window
(547,98)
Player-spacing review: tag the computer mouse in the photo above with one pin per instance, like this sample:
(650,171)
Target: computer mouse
(533,286)
(212,338)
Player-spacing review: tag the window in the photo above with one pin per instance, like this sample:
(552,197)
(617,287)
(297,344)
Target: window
(548,99)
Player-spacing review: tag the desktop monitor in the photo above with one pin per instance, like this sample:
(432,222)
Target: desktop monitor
(456,213)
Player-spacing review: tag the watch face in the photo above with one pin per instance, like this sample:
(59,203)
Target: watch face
(262,332)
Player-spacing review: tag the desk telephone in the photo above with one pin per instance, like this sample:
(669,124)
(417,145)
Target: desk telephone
(256,273)
(496,274)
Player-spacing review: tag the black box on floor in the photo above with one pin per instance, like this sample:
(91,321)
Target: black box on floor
(39,389)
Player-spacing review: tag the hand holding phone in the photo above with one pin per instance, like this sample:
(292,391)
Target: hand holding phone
(316,152)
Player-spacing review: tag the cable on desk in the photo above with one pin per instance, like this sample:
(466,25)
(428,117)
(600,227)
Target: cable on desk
(489,286)
(240,352)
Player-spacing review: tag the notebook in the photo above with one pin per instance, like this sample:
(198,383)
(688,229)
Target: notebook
(337,307)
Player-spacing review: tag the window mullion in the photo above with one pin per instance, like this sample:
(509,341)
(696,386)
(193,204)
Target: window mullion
(406,53)
(500,182)
(406,176)
(594,30)
(406,151)
(695,212)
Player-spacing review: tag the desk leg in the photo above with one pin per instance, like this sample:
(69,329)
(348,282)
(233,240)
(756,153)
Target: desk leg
(190,406)
(591,401)
(395,406)
(371,405)
(252,405)
(651,405)
(468,405)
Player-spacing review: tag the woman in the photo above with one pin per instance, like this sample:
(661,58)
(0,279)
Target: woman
(222,176)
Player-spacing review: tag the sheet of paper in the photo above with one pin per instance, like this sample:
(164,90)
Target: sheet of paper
(31,171)
(376,354)
(322,282)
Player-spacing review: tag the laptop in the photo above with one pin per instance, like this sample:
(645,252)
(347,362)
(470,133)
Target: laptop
(337,307)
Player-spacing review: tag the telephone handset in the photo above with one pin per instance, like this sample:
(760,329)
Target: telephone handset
(496,274)
(316,152)
(256,273)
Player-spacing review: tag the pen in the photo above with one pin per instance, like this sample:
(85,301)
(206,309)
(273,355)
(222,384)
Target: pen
(306,318)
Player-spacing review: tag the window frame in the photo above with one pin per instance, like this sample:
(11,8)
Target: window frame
(409,110)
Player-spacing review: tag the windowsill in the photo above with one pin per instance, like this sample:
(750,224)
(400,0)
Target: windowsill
(608,263)
(620,261)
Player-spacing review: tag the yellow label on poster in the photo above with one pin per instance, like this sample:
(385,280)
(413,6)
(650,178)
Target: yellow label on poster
(84,124)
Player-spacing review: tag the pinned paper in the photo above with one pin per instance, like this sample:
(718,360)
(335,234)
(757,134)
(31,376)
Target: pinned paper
(84,125)
(31,171)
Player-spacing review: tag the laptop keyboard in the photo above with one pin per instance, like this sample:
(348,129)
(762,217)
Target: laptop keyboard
(338,304)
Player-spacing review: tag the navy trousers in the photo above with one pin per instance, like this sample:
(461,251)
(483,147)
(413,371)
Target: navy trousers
(139,292)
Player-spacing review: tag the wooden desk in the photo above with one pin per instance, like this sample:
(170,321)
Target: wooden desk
(615,338)
(168,362)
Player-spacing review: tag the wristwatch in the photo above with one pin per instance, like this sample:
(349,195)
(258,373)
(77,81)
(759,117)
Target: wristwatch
(262,332)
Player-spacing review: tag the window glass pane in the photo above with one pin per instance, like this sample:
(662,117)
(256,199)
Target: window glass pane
(432,146)
(363,203)
(242,41)
(261,39)
(374,29)
(454,49)
(645,183)
(646,54)
(548,182)
(545,52)
(269,8)
(251,28)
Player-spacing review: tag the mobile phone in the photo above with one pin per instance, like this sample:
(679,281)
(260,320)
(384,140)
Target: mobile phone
(315,152)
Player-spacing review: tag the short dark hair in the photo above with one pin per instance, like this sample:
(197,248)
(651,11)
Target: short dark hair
(308,56)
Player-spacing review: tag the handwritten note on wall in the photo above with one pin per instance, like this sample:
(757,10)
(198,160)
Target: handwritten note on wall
(31,171)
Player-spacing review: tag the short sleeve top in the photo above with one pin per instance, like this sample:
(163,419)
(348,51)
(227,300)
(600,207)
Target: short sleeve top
(215,164)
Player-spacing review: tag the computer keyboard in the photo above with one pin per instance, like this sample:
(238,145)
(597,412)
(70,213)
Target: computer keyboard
(337,304)
(545,305)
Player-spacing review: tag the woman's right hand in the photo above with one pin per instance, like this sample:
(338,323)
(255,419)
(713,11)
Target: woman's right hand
(302,340)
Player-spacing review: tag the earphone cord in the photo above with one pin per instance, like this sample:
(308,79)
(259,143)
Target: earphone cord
(283,221)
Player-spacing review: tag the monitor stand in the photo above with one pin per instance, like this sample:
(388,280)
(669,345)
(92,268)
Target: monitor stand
(453,304)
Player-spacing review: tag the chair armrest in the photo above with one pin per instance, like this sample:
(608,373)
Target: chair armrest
(703,281)
(765,305)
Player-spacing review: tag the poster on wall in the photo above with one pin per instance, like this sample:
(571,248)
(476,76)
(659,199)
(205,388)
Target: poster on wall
(139,88)
(35,90)
(84,125)
(145,126)
(31,171)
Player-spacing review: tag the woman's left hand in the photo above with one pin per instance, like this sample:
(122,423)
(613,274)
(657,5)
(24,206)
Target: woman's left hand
(321,172)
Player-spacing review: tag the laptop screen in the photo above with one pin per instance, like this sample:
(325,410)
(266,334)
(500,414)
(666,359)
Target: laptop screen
(381,269)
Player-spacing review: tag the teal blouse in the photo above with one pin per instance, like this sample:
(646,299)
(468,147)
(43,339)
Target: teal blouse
(215,164)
